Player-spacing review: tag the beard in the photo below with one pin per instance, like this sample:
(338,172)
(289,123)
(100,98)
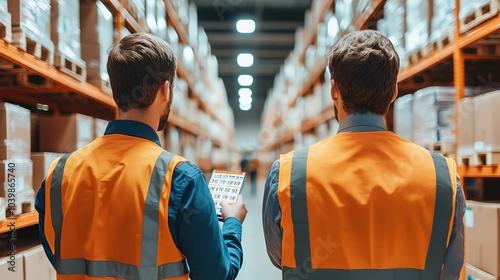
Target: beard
(163,120)
(336,112)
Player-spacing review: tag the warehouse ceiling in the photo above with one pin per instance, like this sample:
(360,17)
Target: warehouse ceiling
(270,44)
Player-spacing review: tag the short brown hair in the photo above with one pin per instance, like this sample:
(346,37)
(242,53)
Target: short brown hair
(138,66)
(365,66)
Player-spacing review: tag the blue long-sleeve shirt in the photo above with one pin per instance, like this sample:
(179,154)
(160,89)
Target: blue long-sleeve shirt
(271,211)
(211,252)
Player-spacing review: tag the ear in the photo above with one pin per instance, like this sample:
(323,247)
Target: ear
(165,91)
(334,91)
(396,92)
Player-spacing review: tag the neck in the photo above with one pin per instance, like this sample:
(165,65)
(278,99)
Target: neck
(143,116)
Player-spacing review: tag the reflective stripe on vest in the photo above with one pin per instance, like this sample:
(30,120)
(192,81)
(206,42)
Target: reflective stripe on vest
(148,268)
(299,212)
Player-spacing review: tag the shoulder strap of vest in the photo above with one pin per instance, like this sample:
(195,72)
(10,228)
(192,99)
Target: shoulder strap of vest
(299,211)
(148,268)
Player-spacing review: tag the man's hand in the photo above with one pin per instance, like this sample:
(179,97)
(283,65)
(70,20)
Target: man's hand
(237,209)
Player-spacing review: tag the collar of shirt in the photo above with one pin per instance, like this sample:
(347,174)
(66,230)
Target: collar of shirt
(367,122)
(132,128)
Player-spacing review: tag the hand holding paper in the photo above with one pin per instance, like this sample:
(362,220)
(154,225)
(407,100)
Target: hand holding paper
(237,209)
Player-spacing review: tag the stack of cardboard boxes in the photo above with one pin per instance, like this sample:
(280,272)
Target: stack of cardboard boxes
(15,163)
(482,240)
(31,264)
(479,135)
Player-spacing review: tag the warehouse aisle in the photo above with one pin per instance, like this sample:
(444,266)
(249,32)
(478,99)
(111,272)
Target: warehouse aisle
(256,264)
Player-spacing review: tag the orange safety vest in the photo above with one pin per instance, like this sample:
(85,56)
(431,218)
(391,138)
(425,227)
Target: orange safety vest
(365,205)
(107,212)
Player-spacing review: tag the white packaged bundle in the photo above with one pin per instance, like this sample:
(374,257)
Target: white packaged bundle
(443,19)
(97,38)
(3,6)
(466,125)
(65,28)
(193,25)
(433,115)
(173,40)
(33,17)
(333,30)
(151,15)
(417,20)
(344,12)
(403,116)
(161,20)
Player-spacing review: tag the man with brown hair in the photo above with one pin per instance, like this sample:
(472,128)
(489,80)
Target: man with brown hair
(124,208)
(365,203)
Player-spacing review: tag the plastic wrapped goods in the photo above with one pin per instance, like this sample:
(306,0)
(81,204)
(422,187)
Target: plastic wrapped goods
(161,20)
(97,38)
(443,19)
(65,28)
(15,132)
(417,21)
(33,17)
(433,115)
(403,117)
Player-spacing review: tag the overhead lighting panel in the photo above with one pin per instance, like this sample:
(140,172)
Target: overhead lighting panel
(245,59)
(245,26)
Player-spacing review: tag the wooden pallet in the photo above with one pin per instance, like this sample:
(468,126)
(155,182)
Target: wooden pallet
(74,68)
(478,16)
(480,158)
(22,205)
(100,83)
(444,148)
(442,42)
(420,54)
(42,51)
(22,77)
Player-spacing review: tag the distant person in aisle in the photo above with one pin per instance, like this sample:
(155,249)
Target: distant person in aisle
(364,203)
(124,208)
(250,165)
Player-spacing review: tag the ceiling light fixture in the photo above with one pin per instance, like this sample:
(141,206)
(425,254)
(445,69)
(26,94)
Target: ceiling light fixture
(245,80)
(245,107)
(245,59)
(245,100)
(245,26)
(245,92)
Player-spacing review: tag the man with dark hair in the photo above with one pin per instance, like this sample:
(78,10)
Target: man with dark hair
(124,208)
(365,203)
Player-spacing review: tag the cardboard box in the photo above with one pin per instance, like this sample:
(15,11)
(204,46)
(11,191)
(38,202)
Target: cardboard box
(15,130)
(18,263)
(65,29)
(41,165)
(482,236)
(21,170)
(65,134)
(474,273)
(96,24)
(486,129)
(37,266)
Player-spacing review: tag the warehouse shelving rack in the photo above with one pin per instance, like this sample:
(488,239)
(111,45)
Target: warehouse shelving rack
(64,94)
